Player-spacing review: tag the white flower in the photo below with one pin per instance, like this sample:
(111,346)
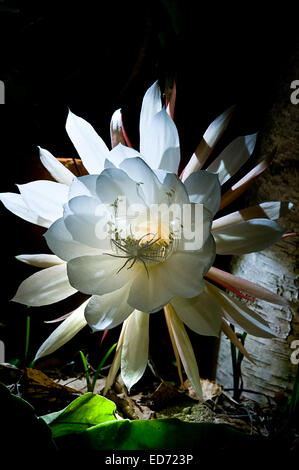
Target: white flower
(142,265)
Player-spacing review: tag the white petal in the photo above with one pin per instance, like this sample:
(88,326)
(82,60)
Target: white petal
(151,105)
(116,360)
(229,280)
(208,142)
(161,146)
(15,203)
(61,242)
(240,186)
(203,187)
(55,168)
(108,164)
(185,349)
(40,261)
(63,333)
(233,157)
(139,171)
(89,145)
(184,271)
(134,355)
(150,294)
(229,332)
(178,189)
(217,127)
(197,221)
(86,220)
(98,275)
(161,174)
(181,274)
(246,237)
(238,313)
(114,183)
(83,186)
(116,129)
(45,198)
(106,311)
(45,287)
(201,314)
(271,210)
(119,153)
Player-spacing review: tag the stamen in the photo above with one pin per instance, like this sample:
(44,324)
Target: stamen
(153,251)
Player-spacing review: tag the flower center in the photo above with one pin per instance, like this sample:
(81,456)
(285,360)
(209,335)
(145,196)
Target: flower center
(148,244)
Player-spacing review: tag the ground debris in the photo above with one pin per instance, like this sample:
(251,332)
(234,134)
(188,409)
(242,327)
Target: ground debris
(37,388)
(129,407)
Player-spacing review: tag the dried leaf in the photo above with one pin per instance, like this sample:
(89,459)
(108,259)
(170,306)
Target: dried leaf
(210,389)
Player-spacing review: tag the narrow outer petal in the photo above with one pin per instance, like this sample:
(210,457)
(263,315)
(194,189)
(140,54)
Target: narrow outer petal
(116,360)
(161,146)
(271,210)
(45,287)
(240,314)
(40,261)
(55,168)
(63,333)
(134,354)
(227,330)
(185,349)
(208,142)
(233,157)
(45,198)
(151,105)
(238,188)
(89,145)
(246,237)
(116,133)
(15,204)
(251,288)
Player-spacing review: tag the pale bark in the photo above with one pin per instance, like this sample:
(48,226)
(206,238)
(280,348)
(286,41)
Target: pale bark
(274,268)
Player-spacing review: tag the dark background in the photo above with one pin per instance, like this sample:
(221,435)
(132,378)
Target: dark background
(95,57)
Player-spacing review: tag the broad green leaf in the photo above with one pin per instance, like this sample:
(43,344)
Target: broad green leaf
(159,434)
(84,412)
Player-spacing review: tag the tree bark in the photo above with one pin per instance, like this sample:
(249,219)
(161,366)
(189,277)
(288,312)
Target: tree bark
(274,268)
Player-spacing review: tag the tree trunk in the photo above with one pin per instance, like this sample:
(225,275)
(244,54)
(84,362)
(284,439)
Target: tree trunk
(273,268)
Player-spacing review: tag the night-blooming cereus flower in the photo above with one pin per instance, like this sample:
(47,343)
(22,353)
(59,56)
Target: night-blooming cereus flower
(137,238)
(125,261)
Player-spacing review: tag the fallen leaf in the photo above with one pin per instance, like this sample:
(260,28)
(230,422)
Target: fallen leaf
(210,389)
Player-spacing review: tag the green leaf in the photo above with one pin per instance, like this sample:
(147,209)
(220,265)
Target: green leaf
(158,434)
(89,424)
(84,412)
